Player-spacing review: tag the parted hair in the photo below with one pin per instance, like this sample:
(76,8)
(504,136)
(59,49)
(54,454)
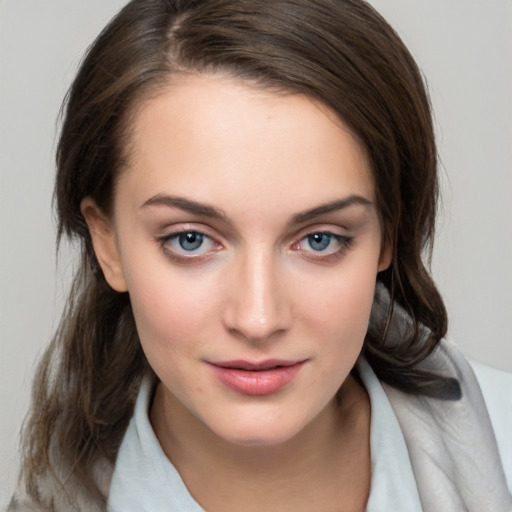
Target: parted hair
(339,52)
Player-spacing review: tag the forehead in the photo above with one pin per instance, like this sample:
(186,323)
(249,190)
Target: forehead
(219,138)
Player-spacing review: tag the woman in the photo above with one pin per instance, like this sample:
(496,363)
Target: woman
(253,184)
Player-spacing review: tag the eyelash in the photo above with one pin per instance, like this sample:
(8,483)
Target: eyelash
(164,242)
(345,243)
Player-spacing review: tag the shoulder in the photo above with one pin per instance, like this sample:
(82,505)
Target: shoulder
(496,386)
(50,494)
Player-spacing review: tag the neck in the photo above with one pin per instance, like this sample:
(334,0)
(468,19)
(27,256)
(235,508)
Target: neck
(328,460)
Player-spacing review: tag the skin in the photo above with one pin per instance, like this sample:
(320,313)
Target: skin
(257,287)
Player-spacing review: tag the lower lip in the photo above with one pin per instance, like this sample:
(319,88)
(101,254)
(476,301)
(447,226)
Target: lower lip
(257,383)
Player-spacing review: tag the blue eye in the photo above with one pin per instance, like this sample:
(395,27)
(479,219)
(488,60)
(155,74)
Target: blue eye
(319,241)
(190,241)
(322,245)
(187,245)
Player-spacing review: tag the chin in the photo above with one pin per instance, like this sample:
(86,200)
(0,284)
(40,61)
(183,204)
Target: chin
(258,440)
(259,432)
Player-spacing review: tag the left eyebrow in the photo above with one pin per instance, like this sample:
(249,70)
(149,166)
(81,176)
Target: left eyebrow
(330,207)
(186,205)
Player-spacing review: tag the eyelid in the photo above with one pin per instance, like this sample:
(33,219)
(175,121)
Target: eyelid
(340,238)
(345,242)
(330,229)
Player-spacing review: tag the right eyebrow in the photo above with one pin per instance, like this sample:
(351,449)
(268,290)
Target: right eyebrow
(332,206)
(195,207)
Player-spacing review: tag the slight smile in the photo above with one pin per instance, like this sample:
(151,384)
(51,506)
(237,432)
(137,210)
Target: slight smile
(256,378)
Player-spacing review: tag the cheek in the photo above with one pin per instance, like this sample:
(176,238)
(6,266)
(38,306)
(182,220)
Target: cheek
(343,297)
(337,311)
(170,306)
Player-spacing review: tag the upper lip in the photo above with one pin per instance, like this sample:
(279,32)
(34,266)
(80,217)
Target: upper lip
(267,364)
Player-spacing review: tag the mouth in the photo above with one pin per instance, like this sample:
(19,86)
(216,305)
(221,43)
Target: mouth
(256,378)
(256,366)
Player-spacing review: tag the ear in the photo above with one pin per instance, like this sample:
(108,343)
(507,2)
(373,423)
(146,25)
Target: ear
(386,255)
(104,244)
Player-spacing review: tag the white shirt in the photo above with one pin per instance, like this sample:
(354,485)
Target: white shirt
(145,480)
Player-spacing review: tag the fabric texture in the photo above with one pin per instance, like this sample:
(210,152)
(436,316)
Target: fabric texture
(451,443)
(452,446)
(144,479)
(55,498)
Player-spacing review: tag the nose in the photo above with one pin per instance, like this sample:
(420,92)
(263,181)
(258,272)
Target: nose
(257,308)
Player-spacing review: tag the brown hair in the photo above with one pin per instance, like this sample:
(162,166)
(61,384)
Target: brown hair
(340,52)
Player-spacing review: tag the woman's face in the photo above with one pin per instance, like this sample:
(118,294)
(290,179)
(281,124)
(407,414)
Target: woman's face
(246,234)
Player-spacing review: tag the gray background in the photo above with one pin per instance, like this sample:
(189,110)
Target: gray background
(465,50)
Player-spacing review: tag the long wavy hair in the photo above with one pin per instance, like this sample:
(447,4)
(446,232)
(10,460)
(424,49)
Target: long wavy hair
(339,52)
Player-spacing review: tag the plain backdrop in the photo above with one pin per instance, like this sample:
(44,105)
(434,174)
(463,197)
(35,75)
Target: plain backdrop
(465,50)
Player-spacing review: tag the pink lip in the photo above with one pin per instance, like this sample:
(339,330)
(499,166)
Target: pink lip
(256,378)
